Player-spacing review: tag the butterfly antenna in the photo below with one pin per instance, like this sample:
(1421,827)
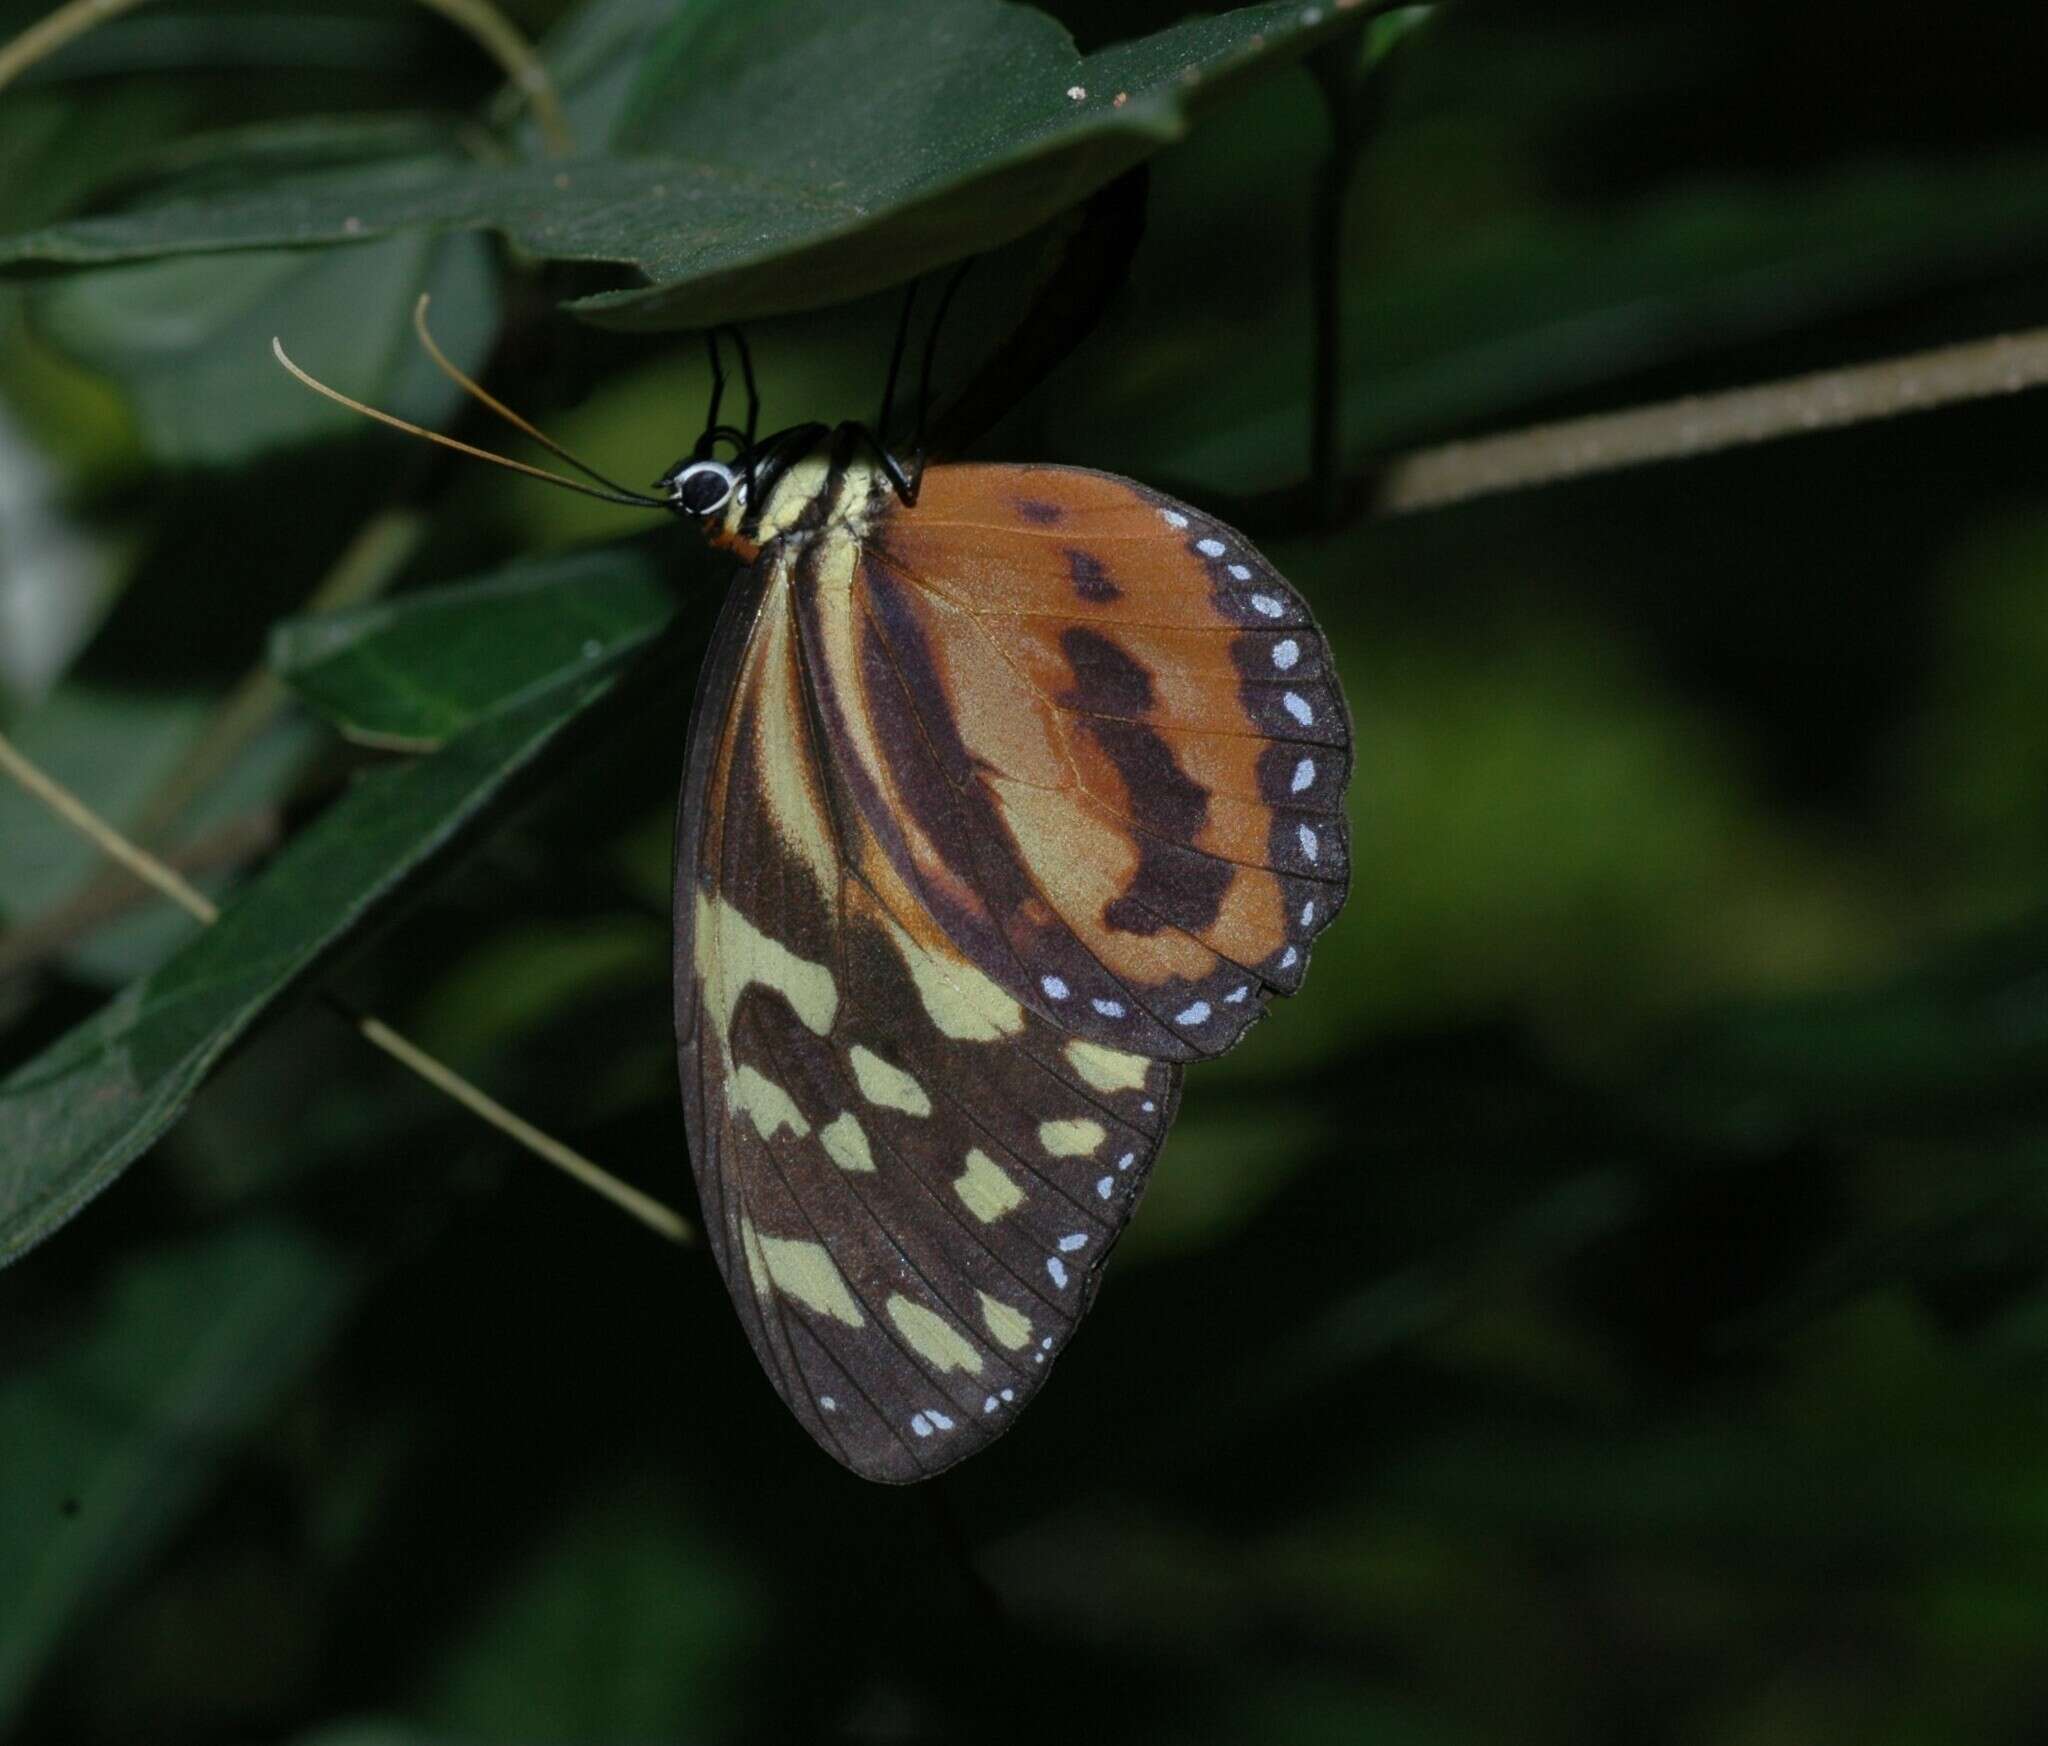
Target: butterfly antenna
(613,494)
(477,392)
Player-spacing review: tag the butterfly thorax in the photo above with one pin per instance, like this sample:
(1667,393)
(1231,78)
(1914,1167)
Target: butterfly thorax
(805,482)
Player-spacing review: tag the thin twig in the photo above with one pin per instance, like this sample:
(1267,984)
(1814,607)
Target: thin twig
(650,1212)
(1701,424)
(484,24)
(103,836)
(146,867)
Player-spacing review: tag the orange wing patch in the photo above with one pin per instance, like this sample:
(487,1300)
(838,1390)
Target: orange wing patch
(1111,735)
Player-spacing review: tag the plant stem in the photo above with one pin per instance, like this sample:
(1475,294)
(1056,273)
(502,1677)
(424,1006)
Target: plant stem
(1701,424)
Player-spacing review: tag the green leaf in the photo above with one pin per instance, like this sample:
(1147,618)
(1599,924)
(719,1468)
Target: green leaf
(775,157)
(114,1434)
(415,671)
(629,1614)
(189,339)
(73,1118)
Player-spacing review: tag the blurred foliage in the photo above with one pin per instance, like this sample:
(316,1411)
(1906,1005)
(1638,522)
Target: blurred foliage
(1610,1303)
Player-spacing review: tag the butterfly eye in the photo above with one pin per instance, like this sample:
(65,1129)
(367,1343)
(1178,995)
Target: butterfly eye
(699,487)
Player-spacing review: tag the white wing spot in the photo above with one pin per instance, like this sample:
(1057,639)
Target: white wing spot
(1108,1008)
(1148,1106)
(1077,92)
(920,1425)
(1192,1015)
(1173,518)
(1241,571)
(1209,548)
(1237,994)
(1308,913)
(1288,957)
(990,1405)
(1309,846)
(1045,1345)
(1038,1357)
(1054,988)
(828,1403)
(1127,1160)
(1079,1240)
(1009,1394)
(1296,705)
(1266,606)
(1058,1269)
(938,1418)
(1285,653)
(1105,1185)
(1304,775)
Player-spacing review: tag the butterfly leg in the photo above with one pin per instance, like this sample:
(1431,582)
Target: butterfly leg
(746,357)
(904,480)
(924,375)
(709,436)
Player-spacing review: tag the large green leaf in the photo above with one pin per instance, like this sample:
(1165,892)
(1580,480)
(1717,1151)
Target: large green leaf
(189,339)
(775,156)
(73,1118)
(115,1433)
(416,670)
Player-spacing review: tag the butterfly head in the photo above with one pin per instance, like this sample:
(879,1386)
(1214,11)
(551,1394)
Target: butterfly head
(761,491)
(698,487)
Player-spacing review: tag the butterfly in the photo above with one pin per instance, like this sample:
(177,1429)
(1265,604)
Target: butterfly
(1009,790)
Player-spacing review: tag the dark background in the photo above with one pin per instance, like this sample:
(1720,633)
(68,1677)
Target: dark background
(1611,1303)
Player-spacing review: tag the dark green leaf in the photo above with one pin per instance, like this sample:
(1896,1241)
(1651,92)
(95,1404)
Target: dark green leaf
(73,1118)
(112,1436)
(627,1613)
(417,670)
(189,339)
(776,157)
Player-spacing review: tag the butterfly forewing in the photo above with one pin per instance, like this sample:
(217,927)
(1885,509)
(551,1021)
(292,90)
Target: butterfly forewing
(1116,730)
(993,814)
